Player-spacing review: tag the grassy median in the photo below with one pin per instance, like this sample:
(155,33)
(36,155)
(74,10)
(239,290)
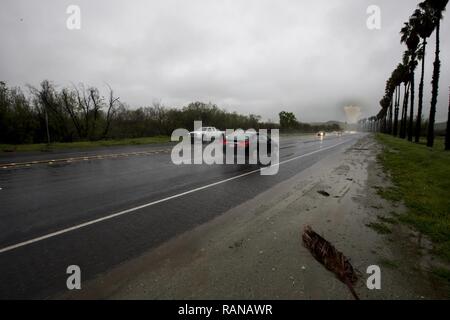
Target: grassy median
(421,178)
(82,144)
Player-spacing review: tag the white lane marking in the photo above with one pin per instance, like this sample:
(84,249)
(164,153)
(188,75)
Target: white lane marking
(108,217)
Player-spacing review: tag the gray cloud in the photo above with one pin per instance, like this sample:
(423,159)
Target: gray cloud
(252,56)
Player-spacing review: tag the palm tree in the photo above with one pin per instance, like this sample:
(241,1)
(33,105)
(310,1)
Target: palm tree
(391,106)
(395,113)
(406,80)
(381,120)
(382,115)
(388,102)
(396,77)
(386,106)
(435,9)
(404,109)
(424,27)
(411,39)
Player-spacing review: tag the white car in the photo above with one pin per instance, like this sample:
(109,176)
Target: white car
(206,134)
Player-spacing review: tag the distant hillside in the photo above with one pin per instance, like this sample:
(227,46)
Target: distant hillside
(327,123)
(342,125)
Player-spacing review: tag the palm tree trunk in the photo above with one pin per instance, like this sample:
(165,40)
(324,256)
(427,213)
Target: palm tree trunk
(404,113)
(435,90)
(389,126)
(447,133)
(397,104)
(419,107)
(411,109)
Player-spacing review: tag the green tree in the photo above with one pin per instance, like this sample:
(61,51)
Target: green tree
(287,120)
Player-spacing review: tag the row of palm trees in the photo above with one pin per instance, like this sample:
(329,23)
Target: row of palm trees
(393,117)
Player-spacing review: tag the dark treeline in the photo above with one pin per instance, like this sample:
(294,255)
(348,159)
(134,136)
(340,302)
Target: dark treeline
(289,123)
(78,113)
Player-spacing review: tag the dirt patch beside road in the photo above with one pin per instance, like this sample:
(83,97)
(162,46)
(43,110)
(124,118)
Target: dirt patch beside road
(254,251)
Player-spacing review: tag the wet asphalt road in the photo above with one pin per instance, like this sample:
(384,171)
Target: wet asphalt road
(45,198)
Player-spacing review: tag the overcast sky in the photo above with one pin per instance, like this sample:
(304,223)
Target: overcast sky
(250,56)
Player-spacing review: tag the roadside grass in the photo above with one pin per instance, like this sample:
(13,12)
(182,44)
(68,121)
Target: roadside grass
(380,228)
(387,219)
(421,178)
(389,263)
(81,144)
(442,273)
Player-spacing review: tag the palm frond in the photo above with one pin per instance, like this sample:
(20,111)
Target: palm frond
(333,260)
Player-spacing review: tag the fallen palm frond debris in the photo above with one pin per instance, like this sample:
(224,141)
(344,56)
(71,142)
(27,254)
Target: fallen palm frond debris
(324,193)
(332,259)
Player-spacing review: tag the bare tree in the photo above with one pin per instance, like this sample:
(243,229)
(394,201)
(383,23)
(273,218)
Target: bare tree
(111,110)
(69,104)
(97,102)
(84,103)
